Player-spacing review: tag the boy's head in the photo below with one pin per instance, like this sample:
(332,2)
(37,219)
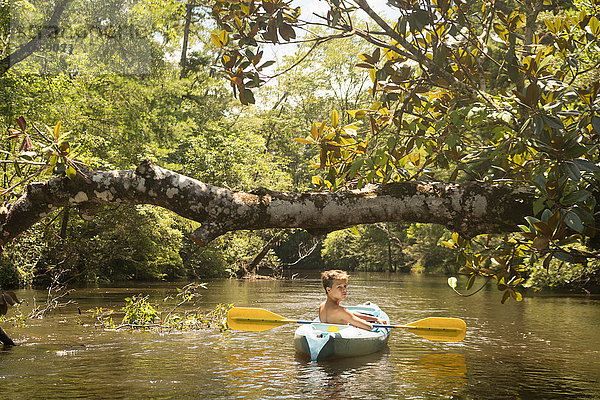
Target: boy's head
(328,277)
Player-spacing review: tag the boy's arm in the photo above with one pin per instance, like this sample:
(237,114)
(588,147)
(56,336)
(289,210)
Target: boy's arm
(369,318)
(354,320)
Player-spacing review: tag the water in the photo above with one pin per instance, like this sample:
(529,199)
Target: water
(541,348)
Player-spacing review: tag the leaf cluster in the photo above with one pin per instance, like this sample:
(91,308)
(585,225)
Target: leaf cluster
(437,112)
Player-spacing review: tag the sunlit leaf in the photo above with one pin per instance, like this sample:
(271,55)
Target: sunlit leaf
(303,141)
(56,131)
(471,281)
(335,118)
(452,281)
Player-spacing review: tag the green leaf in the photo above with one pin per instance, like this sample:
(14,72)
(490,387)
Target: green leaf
(572,170)
(539,205)
(18,169)
(573,221)
(596,123)
(249,96)
(71,172)
(355,167)
(576,197)
(56,131)
(575,151)
(471,281)
(585,165)
(553,122)
(335,118)
(266,64)
(563,256)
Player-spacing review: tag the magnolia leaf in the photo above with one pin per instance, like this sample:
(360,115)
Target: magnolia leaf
(314,131)
(541,242)
(303,141)
(335,118)
(450,245)
(574,222)
(354,231)
(56,131)
(471,281)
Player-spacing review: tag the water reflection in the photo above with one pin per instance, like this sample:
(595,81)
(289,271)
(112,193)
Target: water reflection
(343,378)
(540,348)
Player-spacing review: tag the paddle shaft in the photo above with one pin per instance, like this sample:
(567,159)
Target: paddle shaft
(423,328)
(292,321)
(431,328)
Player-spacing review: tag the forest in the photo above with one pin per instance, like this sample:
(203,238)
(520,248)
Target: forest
(432,101)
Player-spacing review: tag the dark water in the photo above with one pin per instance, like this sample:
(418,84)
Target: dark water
(541,348)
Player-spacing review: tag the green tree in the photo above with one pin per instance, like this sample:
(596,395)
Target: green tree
(437,114)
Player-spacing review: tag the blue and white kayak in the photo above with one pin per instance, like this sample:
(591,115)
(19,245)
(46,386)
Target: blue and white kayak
(322,341)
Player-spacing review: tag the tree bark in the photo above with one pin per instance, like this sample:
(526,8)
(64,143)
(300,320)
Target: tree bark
(186,34)
(253,264)
(5,339)
(468,208)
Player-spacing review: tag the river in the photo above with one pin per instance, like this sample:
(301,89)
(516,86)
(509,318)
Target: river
(545,347)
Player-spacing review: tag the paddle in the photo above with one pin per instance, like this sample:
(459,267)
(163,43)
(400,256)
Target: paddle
(432,328)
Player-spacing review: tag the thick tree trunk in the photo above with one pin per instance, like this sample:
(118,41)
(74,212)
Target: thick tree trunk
(469,208)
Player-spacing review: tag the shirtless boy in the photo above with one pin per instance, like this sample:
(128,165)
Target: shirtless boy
(335,283)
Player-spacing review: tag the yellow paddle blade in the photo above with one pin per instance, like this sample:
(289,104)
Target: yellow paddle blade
(254,319)
(439,329)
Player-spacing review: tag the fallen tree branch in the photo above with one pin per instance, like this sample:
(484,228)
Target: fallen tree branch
(468,208)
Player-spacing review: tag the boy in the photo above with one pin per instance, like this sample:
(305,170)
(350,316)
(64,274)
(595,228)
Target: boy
(335,283)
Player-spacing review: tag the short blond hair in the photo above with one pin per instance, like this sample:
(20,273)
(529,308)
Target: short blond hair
(327,277)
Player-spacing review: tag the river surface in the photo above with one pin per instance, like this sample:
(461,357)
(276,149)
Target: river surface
(545,347)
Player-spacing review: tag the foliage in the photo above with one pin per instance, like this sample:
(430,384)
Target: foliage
(425,244)
(139,313)
(369,248)
(116,119)
(487,91)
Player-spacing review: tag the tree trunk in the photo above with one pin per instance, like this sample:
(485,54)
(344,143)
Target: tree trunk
(186,35)
(468,208)
(47,31)
(253,265)
(64,223)
(5,339)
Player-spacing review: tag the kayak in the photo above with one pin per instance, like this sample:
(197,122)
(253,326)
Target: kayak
(322,341)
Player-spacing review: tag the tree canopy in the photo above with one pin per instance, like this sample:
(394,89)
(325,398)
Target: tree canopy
(461,91)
